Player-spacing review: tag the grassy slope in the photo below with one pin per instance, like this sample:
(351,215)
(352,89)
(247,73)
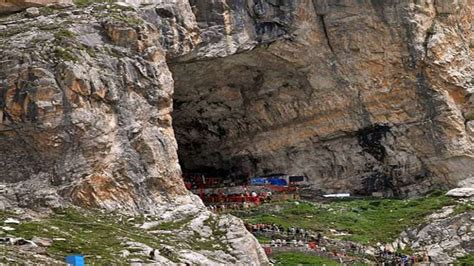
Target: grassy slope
(100,236)
(297,258)
(368,221)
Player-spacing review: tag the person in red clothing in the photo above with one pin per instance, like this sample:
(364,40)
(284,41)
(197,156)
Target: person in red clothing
(247,196)
(221,197)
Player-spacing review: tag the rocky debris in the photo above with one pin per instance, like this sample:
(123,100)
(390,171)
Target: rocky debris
(42,241)
(7,228)
(14,241)
(145,251)
(15,254)
(445,237)
(443,213)
(223,240)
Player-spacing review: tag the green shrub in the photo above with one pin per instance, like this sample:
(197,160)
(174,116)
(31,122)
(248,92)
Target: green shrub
(299,258)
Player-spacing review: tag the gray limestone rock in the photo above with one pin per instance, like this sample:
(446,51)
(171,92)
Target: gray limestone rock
(32,12)
(461,192)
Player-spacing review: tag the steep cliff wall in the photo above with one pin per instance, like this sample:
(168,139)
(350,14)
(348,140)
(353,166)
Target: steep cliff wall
(357,95)
(361,96)
(86,102)
(85,119)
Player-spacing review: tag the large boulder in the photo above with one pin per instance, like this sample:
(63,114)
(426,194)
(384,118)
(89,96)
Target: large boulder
(465,192)
(10,6)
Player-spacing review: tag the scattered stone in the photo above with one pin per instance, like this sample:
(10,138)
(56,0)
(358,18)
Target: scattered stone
(32,12)
(124,253)
(370,251)
(17,241)
(42,241)
(11,221)
(7,228)
(443,213)
(444,238)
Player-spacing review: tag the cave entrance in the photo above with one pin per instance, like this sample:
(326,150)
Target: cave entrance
(228,113)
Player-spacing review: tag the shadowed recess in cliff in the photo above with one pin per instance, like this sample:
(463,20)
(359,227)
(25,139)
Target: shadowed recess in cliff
(221,103)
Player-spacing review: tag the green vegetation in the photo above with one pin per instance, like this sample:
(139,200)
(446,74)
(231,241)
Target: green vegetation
(300,258)
(366,220)
(86,3)
(95,235)
(464,207)
(129,19)
(46,11)
(65,54)
(101,237)
(173,225)
(466,260)
(469,116)
(11,32)
(63,34)
(263,239)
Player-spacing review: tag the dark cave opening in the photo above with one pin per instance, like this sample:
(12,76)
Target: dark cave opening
(254,114)
(223,106)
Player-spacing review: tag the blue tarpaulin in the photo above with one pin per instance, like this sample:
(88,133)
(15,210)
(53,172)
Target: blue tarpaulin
(277,181)
(75,260)
(258,181)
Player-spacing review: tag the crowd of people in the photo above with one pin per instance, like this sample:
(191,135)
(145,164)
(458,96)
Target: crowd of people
(229,206)
(390,257)
(309,241)
(273,230)
(286,237)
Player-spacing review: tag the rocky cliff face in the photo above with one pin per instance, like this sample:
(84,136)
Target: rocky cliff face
(9,6)
(357,95)
(85,117)
(360,96)
(86,102)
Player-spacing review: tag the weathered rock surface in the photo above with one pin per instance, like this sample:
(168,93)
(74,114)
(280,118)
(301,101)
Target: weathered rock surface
(461,193)
(85,113)
(361,96)
(445,237)
(9,6)
(85,103)
(193,236)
